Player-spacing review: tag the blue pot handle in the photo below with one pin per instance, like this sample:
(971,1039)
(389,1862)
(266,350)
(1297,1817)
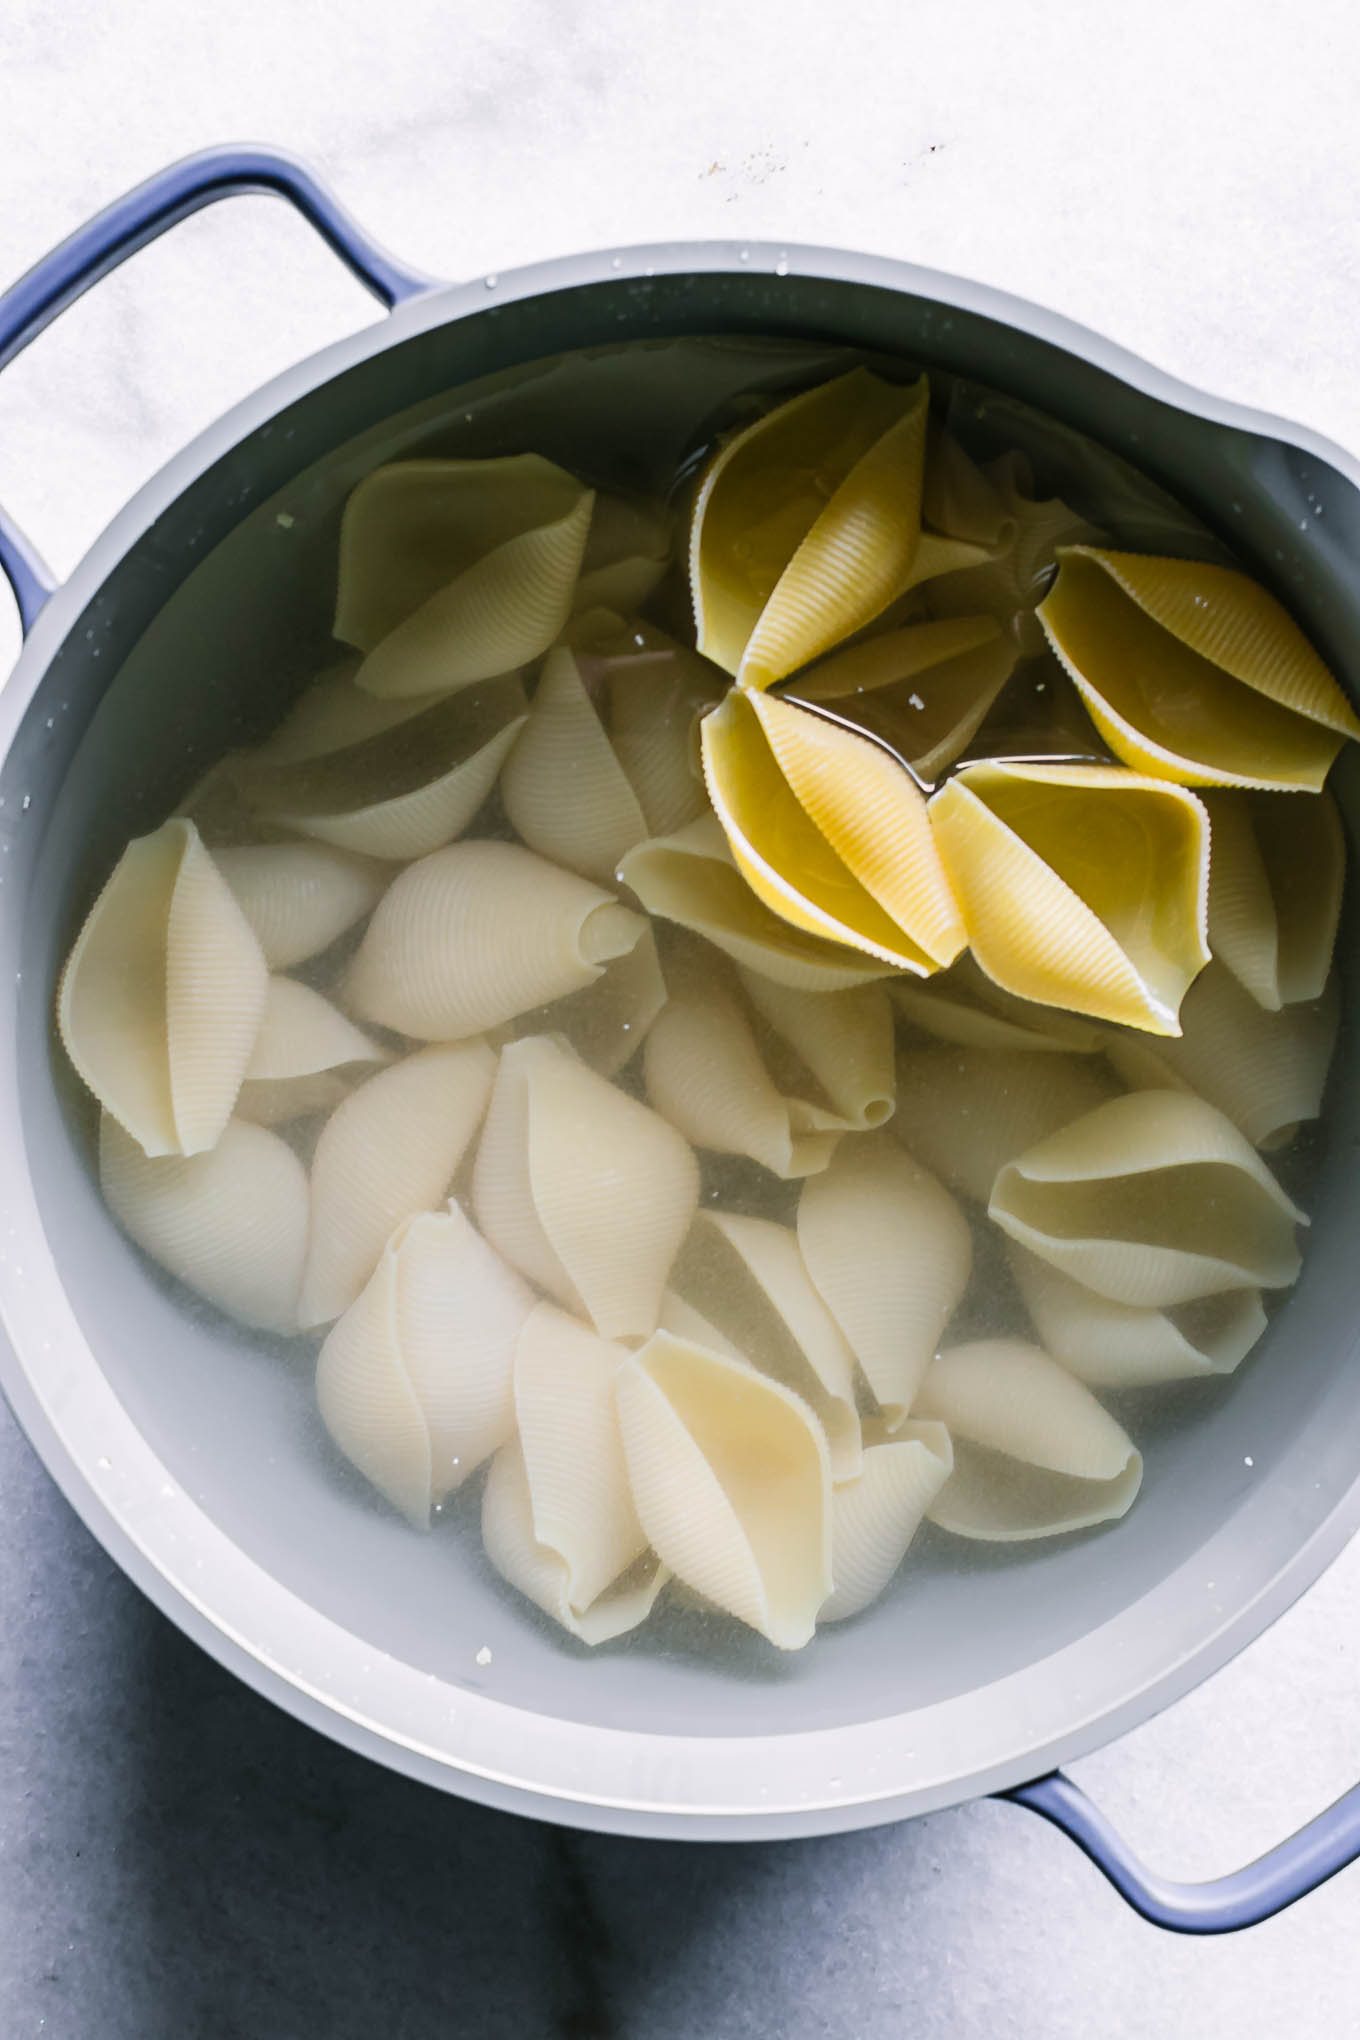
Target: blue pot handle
(1223,1905)
(142,215)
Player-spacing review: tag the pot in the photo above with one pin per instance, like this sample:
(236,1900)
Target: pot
(186,1450)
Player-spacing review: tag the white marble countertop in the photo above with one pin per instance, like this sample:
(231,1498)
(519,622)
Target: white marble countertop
(175,1857)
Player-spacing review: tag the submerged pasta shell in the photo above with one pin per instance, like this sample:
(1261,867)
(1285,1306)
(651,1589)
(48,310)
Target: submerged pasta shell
(627,553)
(388,1151)
(890,1254)
(962,1005)
(1034,1452)
(608,1021)
(334,714)
(875,1516)
(583,1189)
(1115,1198)
(1118,1345)
(305,1057)
(1081,886)
(808,524)
(231,1222)
(479,933)
(965,1112)
(746,1277)
(1192,672)
(415,1381)
(452,571)
(732,1484)
(558,1518)
(1275,882)
(829,831)
(690,878)
(162,994)
(299,897)
(924,689)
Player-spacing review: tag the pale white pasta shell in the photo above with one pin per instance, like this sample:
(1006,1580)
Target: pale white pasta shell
(965,1112)
(890,1254)
(656,690)
(161,997)
(627,553)
(566,793)
(479,933)
(299,897)
(306,1058)
(1034,1452)
(231,1222)
(331,715)
(510,1535)
(844,1039)
(1275,882)
(875,1516)
(1117,1345)
(608,1021)
(388,1151)
(1152,1199)
(732,1484)
(583,1189)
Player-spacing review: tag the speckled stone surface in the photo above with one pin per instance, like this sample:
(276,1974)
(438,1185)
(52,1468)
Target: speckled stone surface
(178,1860)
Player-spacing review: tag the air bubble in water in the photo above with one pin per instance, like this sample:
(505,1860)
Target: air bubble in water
(781,267)
(491,281)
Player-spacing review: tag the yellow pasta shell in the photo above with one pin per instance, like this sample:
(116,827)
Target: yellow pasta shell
(924,689)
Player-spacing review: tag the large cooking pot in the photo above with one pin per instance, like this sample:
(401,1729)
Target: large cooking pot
(185,1448)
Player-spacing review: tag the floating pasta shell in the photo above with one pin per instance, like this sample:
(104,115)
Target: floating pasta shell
(808,524)
(415,1381)
(388,1151)
(690,878)
(1034,1452)
(406,791)
(584,1190)
(829,831)
(231,1222)
(452,571)
(608,1021)
(875,1516)
(558,1518)
(924,690)
(890,1253)
(299,897)
(965,1112)
(1275,884)
(305,1058)
(1081,886)
(1192,672)
(732,1484)
(627,553)
(995,506)
(161,997)
(1114,1198)
(478,933)
(962,1005)
(746,1277)
(1266,1070)
(1116,1345)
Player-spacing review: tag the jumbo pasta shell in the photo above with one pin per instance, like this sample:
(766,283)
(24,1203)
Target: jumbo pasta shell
(1275,885)
(923,690)
(1116,1197)
(1193,673)
(963,1006)
(875,1516)
(565,791)
(628,550)
(479,933)
(162,994)
(966,1112)
(1084,887)
(300,897)
(731,1482)
(305,1058)
(1118,1345)
(842,1040)
(607,1021)
(1026,536)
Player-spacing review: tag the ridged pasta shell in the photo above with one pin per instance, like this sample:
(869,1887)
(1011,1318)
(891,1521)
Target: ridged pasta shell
(415,1381)
(690,878)
(333,714)
(1082,886)
(1117,1345)
(452,571)
(628,550)
(746,1277)
(1034,1452)
(1275,883)
(875,1516)
(1193,673)
(732,1484)
(830,832)
(808,524)
(1115,1198)
(608,1021)
(962,1005)
(231,1222)
(842,1041)
(388,1151)
(406,791)
(564,789)
(305,1058)
(300,897)
(1266,1070)
(890,1254)
(558,1518)
(162,994)
(924,690)
(965,1112)
(479,933)
(583,1189)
